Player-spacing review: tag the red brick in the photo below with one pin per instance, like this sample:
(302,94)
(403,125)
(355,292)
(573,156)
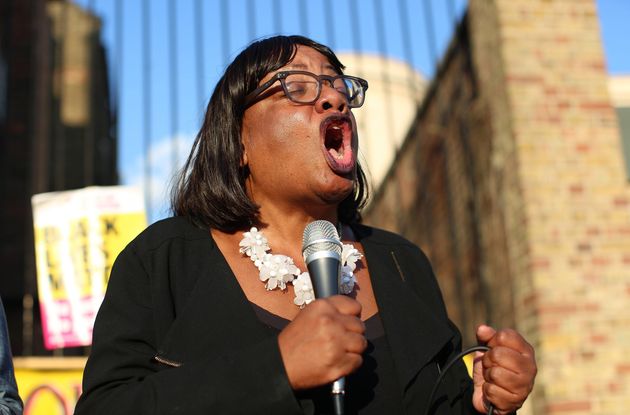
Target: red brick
(557,308)
(526,79)
(584,247)
(603,105)
(568,407)
(623,368)
(615,387)
(599,66)
(599,338)
(601,262)
(583,148)
(540,263)
(593,231)
(591,307)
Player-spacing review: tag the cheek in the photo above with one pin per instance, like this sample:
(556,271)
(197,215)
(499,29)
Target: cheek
(289,136)
(279,137)
(288,129)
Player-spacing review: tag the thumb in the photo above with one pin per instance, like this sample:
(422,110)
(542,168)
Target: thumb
(485,333)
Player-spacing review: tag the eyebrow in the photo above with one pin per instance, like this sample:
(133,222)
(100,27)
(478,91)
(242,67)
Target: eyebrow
(303,66)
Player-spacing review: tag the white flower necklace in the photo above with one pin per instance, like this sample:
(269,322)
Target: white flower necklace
(278,270)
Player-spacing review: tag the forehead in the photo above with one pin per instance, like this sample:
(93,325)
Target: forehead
(310,59)
(307,59)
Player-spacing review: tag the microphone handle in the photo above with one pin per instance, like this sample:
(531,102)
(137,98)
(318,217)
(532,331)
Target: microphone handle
(324,270)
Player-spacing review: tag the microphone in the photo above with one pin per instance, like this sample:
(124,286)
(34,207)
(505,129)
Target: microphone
(321,249)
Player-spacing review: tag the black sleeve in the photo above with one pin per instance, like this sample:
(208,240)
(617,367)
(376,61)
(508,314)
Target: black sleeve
(123,377)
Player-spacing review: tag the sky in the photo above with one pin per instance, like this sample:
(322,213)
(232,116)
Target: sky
(156,121)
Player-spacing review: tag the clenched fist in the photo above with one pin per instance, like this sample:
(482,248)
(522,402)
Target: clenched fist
(504,375)
(323,343)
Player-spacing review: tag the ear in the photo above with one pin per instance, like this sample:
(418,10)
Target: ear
(244,160)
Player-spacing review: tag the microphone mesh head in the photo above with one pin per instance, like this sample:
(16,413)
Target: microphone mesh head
(320,235)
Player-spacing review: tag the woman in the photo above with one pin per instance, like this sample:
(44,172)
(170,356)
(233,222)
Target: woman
(211,312)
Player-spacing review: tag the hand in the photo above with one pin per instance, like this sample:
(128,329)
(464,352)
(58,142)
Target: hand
(503,376)
(323,343)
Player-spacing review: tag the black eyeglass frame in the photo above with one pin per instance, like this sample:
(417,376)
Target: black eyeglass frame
(281,76)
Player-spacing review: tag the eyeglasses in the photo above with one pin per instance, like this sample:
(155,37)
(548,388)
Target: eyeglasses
(305,87)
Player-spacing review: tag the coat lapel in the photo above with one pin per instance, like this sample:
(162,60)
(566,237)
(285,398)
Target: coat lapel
(217,316)
(414,334)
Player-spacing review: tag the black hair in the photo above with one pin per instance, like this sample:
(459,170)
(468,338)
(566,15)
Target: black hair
(210,188)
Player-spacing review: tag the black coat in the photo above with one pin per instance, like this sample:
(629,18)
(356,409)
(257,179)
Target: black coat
(176,334)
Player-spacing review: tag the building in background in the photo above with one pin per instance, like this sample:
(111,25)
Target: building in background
(394,93)
(619,88)
(56,133)
(513,181)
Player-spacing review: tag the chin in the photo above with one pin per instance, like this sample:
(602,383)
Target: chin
(337,195)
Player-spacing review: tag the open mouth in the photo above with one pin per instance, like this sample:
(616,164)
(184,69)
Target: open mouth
(337,143)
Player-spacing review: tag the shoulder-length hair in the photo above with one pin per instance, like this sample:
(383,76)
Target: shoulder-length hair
(210,188)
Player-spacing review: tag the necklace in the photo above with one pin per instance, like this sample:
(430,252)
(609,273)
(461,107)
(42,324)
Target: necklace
(276,271)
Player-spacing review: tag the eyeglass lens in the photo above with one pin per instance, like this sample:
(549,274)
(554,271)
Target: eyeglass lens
(304,88)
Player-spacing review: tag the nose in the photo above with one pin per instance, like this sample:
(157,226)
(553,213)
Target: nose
(331,99)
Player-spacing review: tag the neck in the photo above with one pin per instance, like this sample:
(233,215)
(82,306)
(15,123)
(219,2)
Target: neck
(284,228)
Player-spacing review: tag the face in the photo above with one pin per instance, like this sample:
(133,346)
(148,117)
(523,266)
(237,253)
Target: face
(300,153)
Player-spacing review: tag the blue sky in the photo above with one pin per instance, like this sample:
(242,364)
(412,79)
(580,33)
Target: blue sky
(172,132)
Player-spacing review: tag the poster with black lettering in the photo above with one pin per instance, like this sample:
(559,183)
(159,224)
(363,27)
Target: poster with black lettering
(78,234)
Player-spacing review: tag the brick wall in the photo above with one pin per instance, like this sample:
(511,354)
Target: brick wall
(513,182)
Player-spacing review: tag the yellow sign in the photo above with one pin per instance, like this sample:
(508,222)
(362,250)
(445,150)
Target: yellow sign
(49,385)
(78,235)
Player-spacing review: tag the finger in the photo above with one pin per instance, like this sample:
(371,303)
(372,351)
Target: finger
(478,369)
(345,305)
(509,359)
(355,343)
(485,333)
(508,380)
(352,323)
(500,398)
(511,339)
(350,363)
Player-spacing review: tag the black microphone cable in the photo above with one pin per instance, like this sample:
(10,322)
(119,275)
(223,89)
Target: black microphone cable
(448,366)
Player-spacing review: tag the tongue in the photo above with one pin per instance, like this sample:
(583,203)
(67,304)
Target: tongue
(337,151)
(337,154)
(340,160)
